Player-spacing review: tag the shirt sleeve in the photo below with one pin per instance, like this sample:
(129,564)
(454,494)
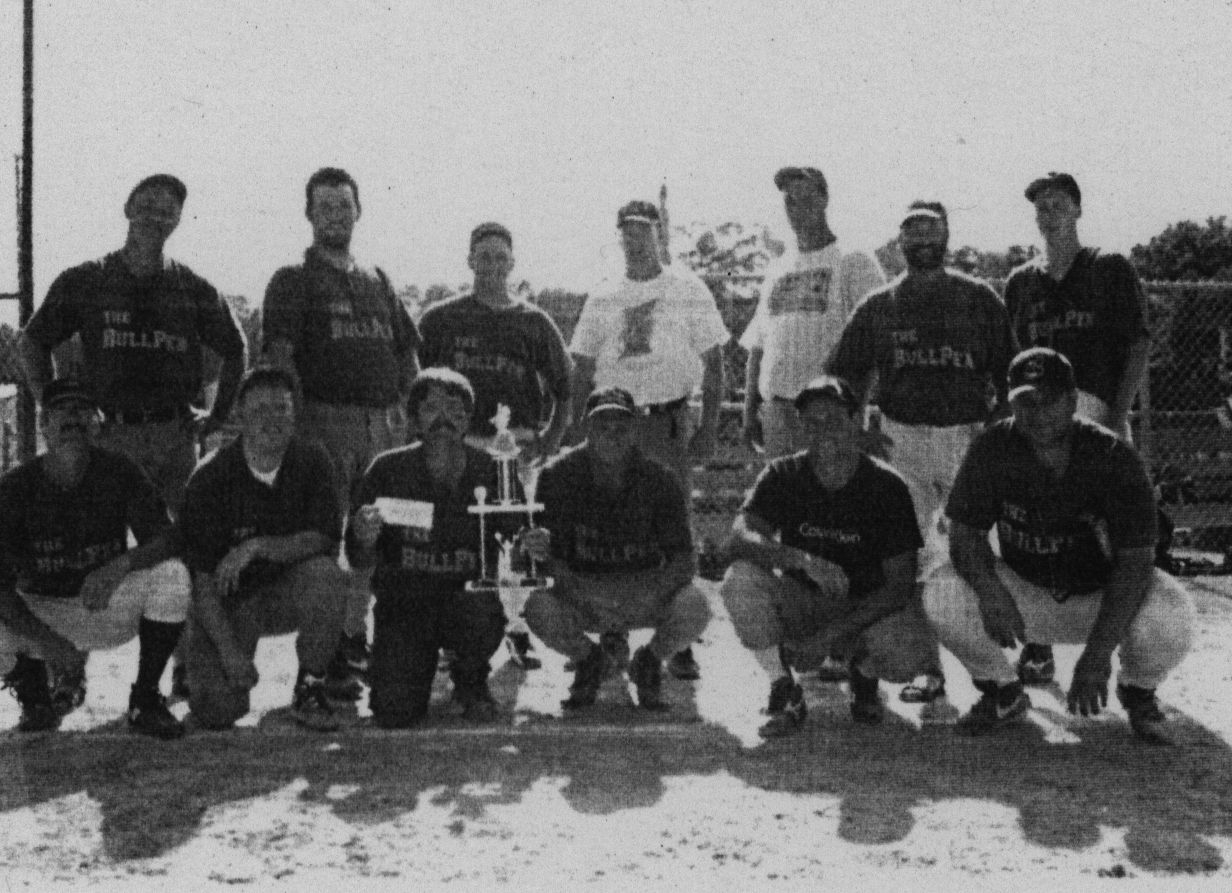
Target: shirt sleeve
(200,527)
(1001,344)
(555,367)
(12,506)
(406,335)
(855,355)
(588,334)
(1131,508)
(147,513)
(57,318)
(769,497)
(430,339)
(324,512)
(282,314)
(901,533)
(1128,299)
(973,500)
(220,331)
(671,518)
(861,275)
(706,328)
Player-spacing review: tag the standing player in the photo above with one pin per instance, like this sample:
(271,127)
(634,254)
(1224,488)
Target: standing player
(1089,306)
(937,344)
(261,529)
(143,320)
(513,354)
(616,541)
(69,584)
(1075,518)
(659,336)
(342,331)
(423,562)
(840,528)
(808,299)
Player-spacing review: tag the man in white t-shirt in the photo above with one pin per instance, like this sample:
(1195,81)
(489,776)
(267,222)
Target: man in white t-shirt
(808,297)
(659,336)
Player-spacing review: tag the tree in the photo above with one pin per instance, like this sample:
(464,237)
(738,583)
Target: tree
(1187,252)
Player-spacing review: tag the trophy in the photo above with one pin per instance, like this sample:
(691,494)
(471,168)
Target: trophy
(504,449)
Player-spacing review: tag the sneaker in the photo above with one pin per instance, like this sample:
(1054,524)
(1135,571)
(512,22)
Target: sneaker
(866,701)
(28,682)
(923,690)
(1036,665)
(356,655)
(587,679)
(522,652)
(68,693)
(786,708)
(832,669)
(342,683)
(477,702)
(1145,717)
(646,673)
(148,715)
(615,644)
(684,666)
(998,706)
(310,705)
(179,682)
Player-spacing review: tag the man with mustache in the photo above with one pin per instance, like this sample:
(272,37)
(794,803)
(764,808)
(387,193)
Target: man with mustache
(69,584)
(411,526)
(513,354)
(342,331)
(935,344)
(260,531)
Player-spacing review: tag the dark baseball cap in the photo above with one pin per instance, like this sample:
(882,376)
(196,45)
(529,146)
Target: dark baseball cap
(610,400)
(637,212)
(1063,182)
(483,230)
(830,387)
(64,391)
(1041,370)
(786,175)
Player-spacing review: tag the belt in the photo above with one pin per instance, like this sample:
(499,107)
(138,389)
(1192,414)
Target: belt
(665,408)
(145,416)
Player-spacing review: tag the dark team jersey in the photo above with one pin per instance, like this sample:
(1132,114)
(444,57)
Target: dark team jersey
(51,538)
(141,336)
(349,332)
(1092,316)
(226,504)
(595,531)
(865,522)
(504,353)
(940,348)
(421,561)
(1057,533)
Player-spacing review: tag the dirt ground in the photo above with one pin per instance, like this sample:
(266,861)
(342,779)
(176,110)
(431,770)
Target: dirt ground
(690,800)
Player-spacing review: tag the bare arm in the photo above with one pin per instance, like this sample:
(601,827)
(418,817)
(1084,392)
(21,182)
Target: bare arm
(899,572)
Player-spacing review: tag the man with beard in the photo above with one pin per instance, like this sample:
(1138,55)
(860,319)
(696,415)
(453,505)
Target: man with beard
(825,563)
(342,331)
(936,344)
(260,531)
(411,523)
(144,321)
(1090,306)
(615,539)
(1074,512)
(513,354)
(69,584)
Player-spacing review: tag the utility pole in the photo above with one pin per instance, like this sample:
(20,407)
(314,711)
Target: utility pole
(25,228)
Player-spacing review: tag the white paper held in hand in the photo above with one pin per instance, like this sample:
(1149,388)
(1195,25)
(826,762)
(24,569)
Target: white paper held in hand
(405,512)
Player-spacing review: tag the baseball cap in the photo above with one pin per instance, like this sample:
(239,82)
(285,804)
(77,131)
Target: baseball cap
(63,391)
(831,387)
(483,230)
(1063,182)
(927,210)
(610,400)
(786,175)
(637,212)
(1042,370)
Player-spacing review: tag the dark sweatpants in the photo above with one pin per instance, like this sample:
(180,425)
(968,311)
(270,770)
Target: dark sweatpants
(410,629)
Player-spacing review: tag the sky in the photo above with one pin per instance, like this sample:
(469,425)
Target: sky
(548,116)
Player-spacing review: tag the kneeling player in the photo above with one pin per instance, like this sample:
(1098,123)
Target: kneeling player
(825,550)
(68,582)
(261,525)
(425,551)
(1075,518)
(615,537)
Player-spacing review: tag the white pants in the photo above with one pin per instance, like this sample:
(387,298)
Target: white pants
(1155,643)
(929,458)
(161,593)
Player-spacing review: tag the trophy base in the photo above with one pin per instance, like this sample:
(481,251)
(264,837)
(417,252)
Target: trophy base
(519,583)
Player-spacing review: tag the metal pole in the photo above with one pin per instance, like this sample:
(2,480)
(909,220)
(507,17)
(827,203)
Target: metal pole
(25,235)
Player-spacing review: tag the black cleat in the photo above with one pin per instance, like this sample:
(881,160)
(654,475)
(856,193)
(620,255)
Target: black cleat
(148,715)
(28,682)
(587,679)
(684,666)
(998,707)
(786,708)
(1036,665)
(646,672)
(1145,718)
(311,707)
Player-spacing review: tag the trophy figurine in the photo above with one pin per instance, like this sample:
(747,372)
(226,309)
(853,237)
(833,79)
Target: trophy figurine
(504,449)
